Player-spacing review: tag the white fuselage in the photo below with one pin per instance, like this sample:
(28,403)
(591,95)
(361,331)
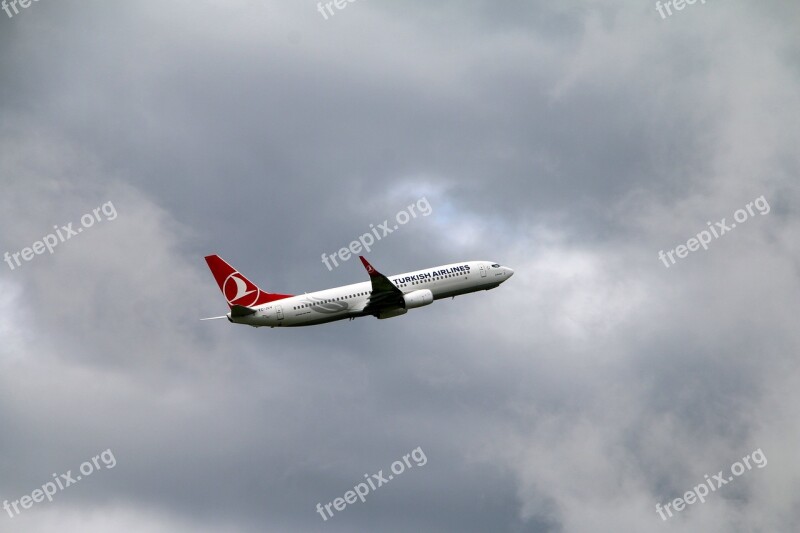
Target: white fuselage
(349,301)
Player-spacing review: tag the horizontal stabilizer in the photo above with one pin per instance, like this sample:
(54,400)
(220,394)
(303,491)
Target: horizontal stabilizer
(241,310)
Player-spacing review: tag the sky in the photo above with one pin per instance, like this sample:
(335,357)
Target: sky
(589,145)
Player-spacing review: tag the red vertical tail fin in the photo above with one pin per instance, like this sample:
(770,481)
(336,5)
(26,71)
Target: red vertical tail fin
(237,289)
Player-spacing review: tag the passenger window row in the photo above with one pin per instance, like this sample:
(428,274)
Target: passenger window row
(329,300)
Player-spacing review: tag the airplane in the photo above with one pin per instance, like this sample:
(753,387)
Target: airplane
(382,297)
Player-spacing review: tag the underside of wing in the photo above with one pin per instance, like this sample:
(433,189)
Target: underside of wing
(385,294)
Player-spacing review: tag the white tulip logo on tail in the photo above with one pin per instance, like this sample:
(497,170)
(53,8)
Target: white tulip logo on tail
(237,290)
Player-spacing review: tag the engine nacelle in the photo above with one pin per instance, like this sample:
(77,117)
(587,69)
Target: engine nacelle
(418,298)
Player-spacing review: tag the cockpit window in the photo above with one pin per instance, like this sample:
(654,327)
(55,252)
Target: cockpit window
(495,265)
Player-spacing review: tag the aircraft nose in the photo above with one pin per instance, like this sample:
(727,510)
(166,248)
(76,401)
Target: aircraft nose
(509,272)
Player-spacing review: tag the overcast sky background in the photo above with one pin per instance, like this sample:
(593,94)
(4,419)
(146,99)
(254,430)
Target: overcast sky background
(568,140)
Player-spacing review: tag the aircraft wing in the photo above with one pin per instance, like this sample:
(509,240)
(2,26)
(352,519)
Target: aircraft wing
(385,294)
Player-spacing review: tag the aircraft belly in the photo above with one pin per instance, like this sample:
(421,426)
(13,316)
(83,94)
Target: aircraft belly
(447,293)
(309,321)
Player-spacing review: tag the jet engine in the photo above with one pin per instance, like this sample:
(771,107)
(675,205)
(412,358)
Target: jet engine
(418,298)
